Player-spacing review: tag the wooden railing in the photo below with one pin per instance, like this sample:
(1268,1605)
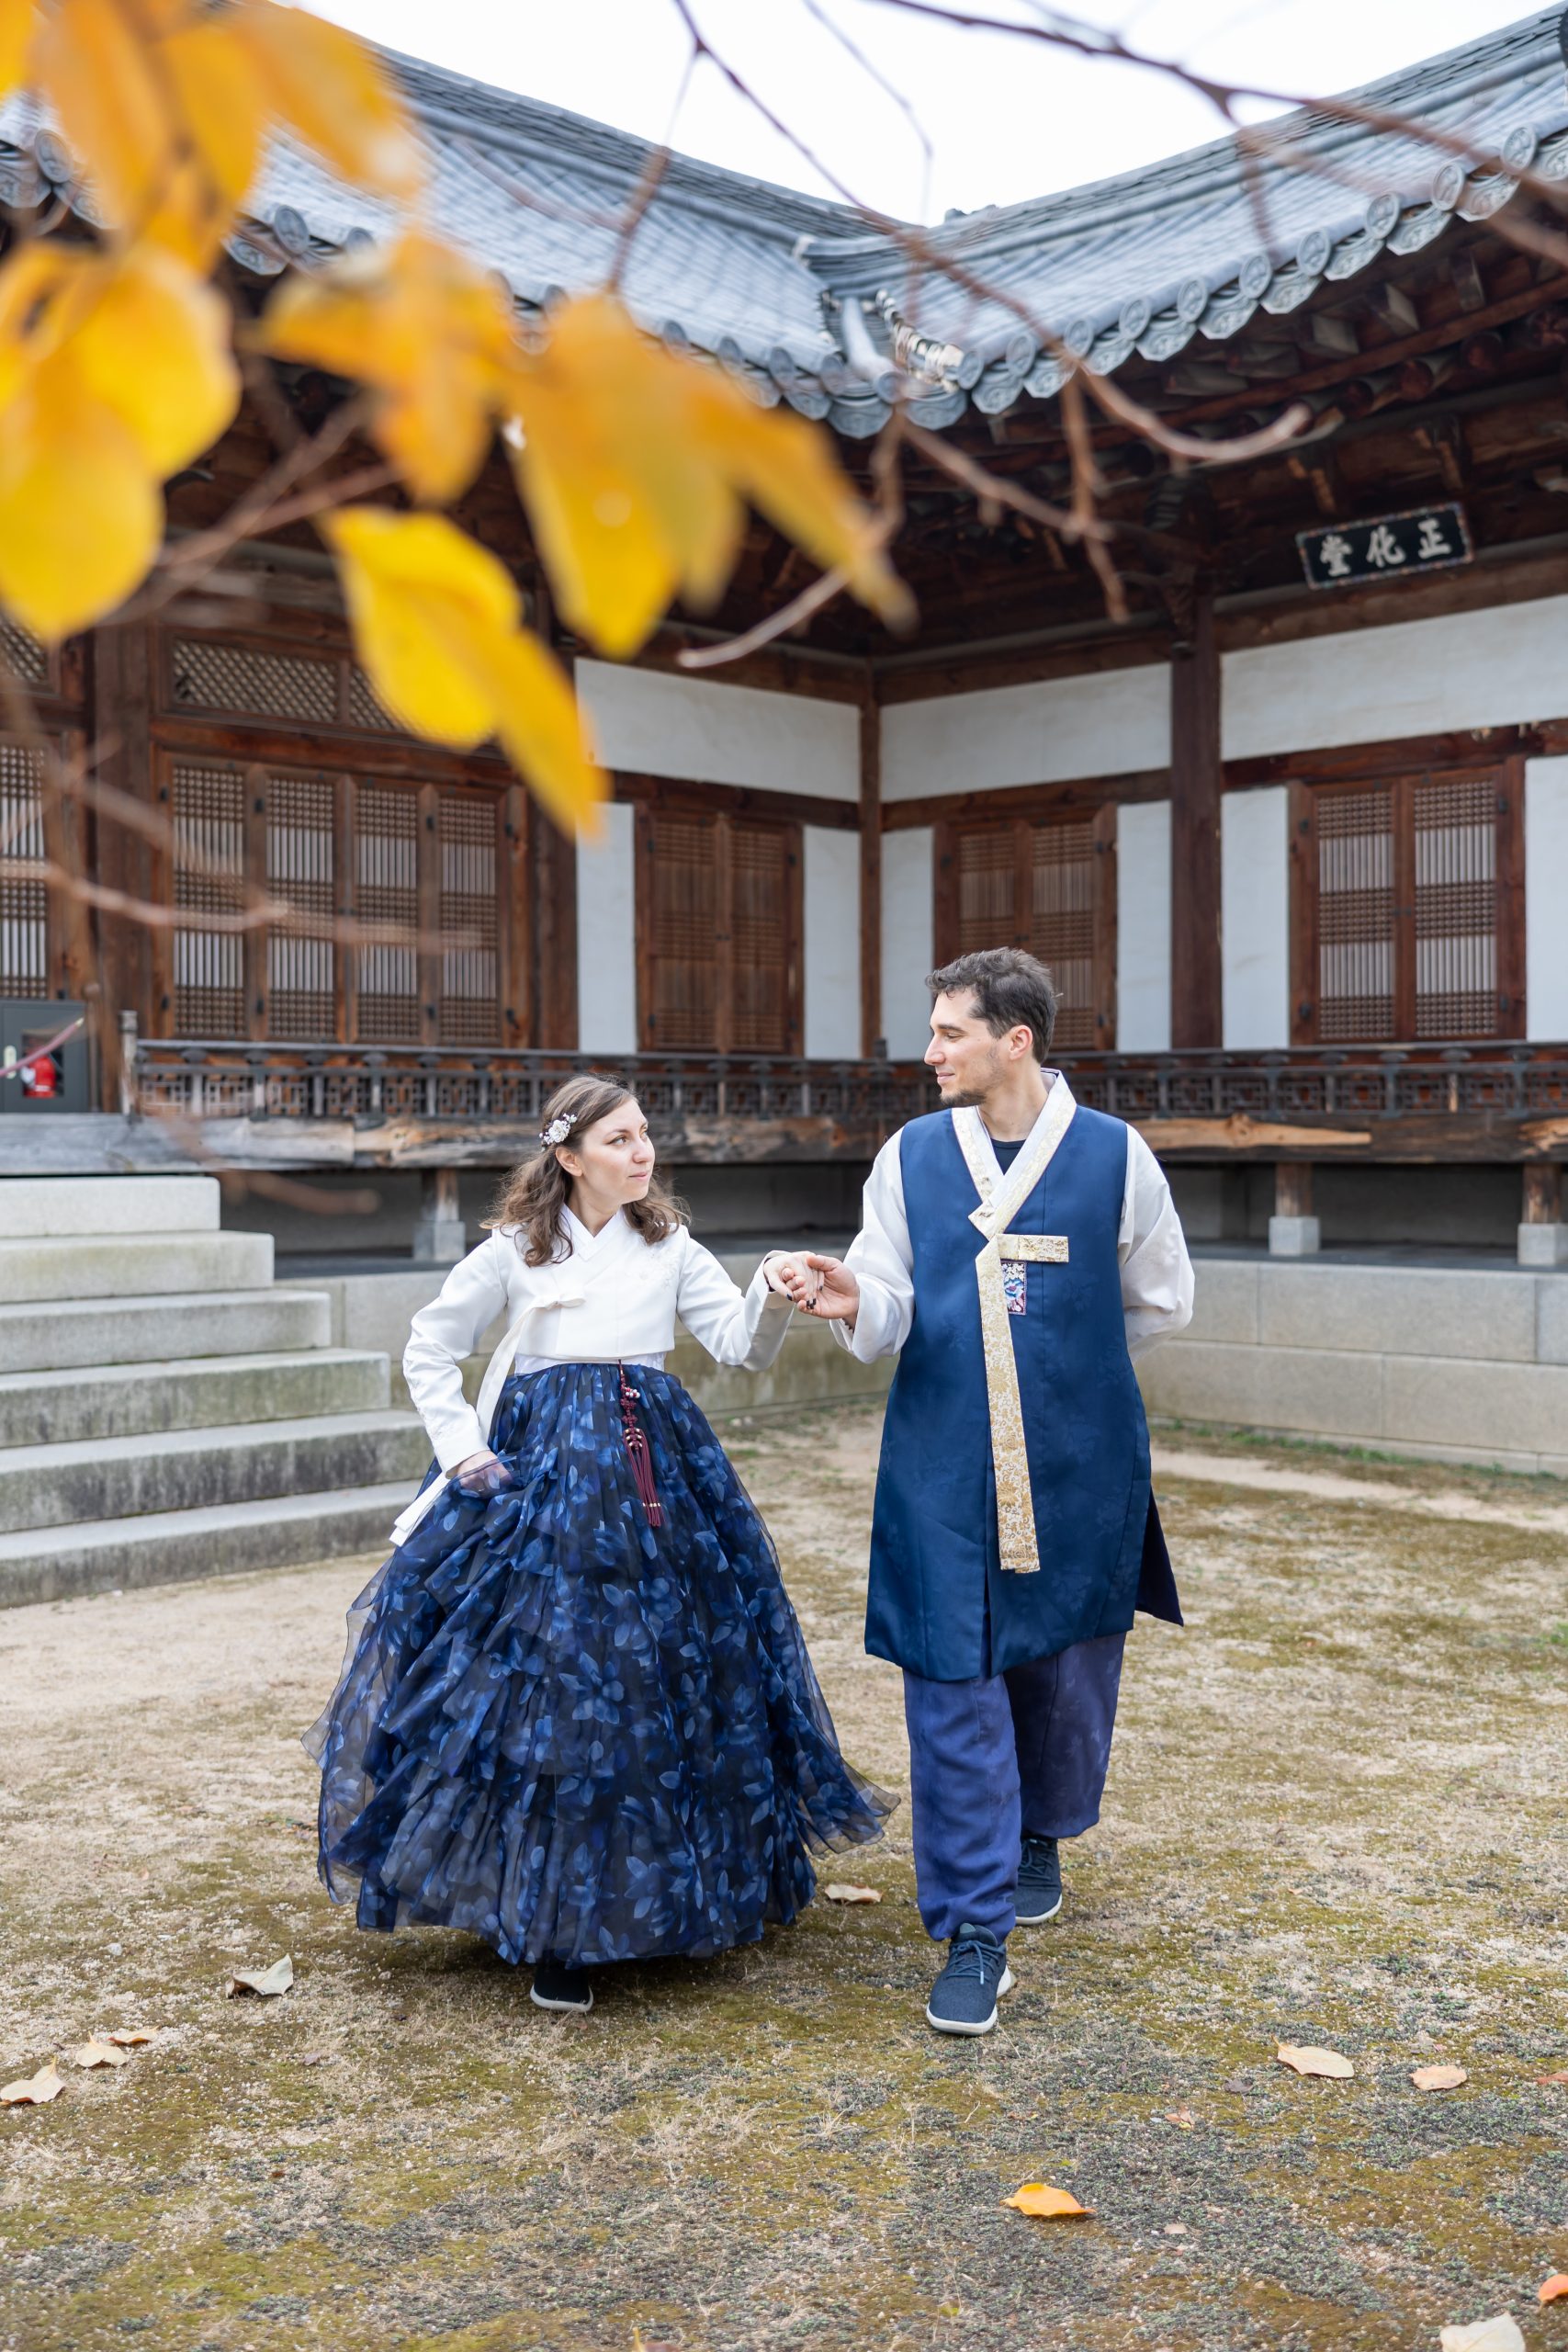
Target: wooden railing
(1478,1102)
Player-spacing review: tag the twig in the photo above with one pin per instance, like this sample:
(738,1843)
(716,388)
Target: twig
(800,608)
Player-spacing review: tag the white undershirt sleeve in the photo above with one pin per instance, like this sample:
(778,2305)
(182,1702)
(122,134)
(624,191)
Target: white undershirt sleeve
(1157,1272)
(883,1262)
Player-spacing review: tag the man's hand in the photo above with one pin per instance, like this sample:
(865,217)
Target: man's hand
(826,1289)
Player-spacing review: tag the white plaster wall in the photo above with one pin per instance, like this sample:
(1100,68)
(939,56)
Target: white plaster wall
(1254,956)
(1546,899)
(831,896)
(1367,685)
(606,936)
(1143,927)
(908,940)
(651,723)
(1048,732)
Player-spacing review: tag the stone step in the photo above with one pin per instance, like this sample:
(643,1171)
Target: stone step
(189,1393)
(59,1335)
(121,1478)
(169,1548)
(132,1265)
(35,1207)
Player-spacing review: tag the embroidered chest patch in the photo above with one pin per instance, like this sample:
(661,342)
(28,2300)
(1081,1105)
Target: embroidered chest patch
(1015,1286)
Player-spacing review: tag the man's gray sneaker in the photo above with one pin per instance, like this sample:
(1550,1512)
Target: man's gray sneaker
(1039,1882)
(963,1998)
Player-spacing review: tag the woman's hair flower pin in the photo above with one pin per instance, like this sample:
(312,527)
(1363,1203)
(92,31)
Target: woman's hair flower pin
(556,1132)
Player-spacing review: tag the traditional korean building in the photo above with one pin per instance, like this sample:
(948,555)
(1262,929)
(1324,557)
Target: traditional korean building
(1294,834)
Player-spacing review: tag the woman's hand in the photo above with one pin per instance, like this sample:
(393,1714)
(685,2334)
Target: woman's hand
(820,1287)
(797,1265)
(482,1473)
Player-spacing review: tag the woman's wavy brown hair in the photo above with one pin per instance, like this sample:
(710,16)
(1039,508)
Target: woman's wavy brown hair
(533,1197)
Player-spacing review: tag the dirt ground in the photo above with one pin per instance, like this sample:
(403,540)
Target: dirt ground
(1337,1815)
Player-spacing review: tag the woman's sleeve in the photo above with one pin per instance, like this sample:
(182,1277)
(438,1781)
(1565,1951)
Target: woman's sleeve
(443,1333)
(736,1326)
(883,1262)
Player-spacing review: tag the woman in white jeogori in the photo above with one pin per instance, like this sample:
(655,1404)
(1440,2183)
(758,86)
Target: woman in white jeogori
(577,1717)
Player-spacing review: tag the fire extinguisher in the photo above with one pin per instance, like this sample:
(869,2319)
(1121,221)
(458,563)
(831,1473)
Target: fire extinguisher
(40,1078)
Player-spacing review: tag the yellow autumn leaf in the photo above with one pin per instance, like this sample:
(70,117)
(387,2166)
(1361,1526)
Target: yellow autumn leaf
(437,623)
(426,331)
(221,110)
(335,92)
(153,346)
(34,2090)
(1048,2204)
(94,64)
(98,2052)
(636,464)
(1306,2058)
(80,516)
(17,19)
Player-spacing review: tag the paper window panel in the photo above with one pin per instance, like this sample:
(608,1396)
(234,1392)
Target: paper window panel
(685,917)
(760,936)
(1455,829)
(208,823)
(1354,916)
(1062,920)
(22,654)
(469,1014)
(987,871)
(24,907)
(387,891)
(300,868)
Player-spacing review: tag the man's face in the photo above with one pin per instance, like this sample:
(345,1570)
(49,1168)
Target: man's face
(966,1059)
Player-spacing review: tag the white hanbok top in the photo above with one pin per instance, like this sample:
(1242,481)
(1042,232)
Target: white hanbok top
(1157,1272)
(615,1299)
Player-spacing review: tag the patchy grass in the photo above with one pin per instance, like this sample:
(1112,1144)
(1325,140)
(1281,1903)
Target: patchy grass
(1335,1814)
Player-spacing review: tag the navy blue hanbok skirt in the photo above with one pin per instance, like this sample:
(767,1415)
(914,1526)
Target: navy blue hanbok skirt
(572,1734)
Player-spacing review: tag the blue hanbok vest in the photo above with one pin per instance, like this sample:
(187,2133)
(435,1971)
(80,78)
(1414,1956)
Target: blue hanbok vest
(939,1602)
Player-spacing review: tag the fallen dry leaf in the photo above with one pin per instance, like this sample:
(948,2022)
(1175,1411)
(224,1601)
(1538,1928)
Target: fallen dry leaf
(852,1893)
(1048,2204)
(315,2058)
(99,2053)
(1304,2059)
(1499,2335)
(1438,2078)
(35,2090)
(132,2040)
(1182,2117)
(264,1981)
(1561,2077)
(1552,2290)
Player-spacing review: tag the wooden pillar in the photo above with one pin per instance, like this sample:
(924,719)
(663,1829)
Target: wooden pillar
(120,688)
(1294,1230)
(1543,1236)
(871,1036)
(1195,787)
(438,1236)
(514,917)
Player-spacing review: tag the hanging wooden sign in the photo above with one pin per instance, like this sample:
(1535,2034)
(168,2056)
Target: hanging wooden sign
(1429,538)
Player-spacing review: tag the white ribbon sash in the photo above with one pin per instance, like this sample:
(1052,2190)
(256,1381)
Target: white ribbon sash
(1016,1538)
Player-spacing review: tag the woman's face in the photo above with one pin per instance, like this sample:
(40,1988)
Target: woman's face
(612,1160)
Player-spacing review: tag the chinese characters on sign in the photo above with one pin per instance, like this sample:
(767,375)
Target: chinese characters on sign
(1430,539)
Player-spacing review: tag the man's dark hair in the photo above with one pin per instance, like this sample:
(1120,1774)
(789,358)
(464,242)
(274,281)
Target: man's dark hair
(1012,990)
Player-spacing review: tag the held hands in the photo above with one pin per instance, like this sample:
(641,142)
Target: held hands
(817,1285)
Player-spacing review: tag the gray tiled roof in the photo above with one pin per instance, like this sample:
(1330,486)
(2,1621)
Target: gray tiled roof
(802,301)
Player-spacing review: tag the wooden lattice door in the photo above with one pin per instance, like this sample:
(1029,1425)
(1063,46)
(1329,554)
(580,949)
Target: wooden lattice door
(1408,909)
(1046,884)
(718,927)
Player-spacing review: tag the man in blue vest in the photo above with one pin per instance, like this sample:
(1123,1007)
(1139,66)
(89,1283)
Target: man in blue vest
(1018,1249)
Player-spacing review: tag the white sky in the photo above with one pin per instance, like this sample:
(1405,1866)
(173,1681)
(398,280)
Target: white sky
(1006,118)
